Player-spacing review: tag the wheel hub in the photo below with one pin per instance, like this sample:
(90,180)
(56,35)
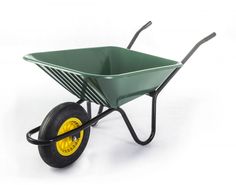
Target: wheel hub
(69,145)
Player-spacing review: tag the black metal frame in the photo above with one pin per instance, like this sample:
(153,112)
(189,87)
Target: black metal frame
(95,120)
(100,115)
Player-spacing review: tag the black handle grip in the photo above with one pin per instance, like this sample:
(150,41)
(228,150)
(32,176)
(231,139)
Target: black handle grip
(149,23)
(208,37)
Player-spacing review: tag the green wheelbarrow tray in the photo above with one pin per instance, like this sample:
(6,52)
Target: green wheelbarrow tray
(108,76)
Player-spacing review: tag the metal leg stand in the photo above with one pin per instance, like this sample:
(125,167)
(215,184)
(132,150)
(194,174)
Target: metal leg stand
(153,123)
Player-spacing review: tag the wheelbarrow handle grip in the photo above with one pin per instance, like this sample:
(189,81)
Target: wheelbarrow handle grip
(137,33)
(208,37)
(149,23)
(197,46)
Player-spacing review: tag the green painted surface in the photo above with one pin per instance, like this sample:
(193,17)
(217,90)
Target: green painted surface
(118,75)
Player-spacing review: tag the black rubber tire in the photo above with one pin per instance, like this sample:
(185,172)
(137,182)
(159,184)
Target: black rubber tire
(50,128)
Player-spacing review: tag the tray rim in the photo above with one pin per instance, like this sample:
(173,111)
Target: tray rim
(30,58)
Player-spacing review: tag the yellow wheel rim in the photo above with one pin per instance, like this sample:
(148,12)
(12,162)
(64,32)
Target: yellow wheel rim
(69,145)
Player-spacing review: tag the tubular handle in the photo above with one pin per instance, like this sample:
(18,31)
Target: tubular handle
(137,33)
(158,90)
(197,45)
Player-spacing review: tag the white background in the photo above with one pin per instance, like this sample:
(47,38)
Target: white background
(196,125)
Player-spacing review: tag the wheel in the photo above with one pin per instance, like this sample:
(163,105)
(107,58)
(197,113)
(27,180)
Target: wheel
(61,119)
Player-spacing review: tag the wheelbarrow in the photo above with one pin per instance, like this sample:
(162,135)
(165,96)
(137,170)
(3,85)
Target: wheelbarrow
(107,76)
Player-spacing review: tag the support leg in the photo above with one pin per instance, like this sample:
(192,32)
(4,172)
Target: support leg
(153,124)
(128,124)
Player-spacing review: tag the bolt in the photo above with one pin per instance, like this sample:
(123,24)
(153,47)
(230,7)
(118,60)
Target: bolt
(74,138)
